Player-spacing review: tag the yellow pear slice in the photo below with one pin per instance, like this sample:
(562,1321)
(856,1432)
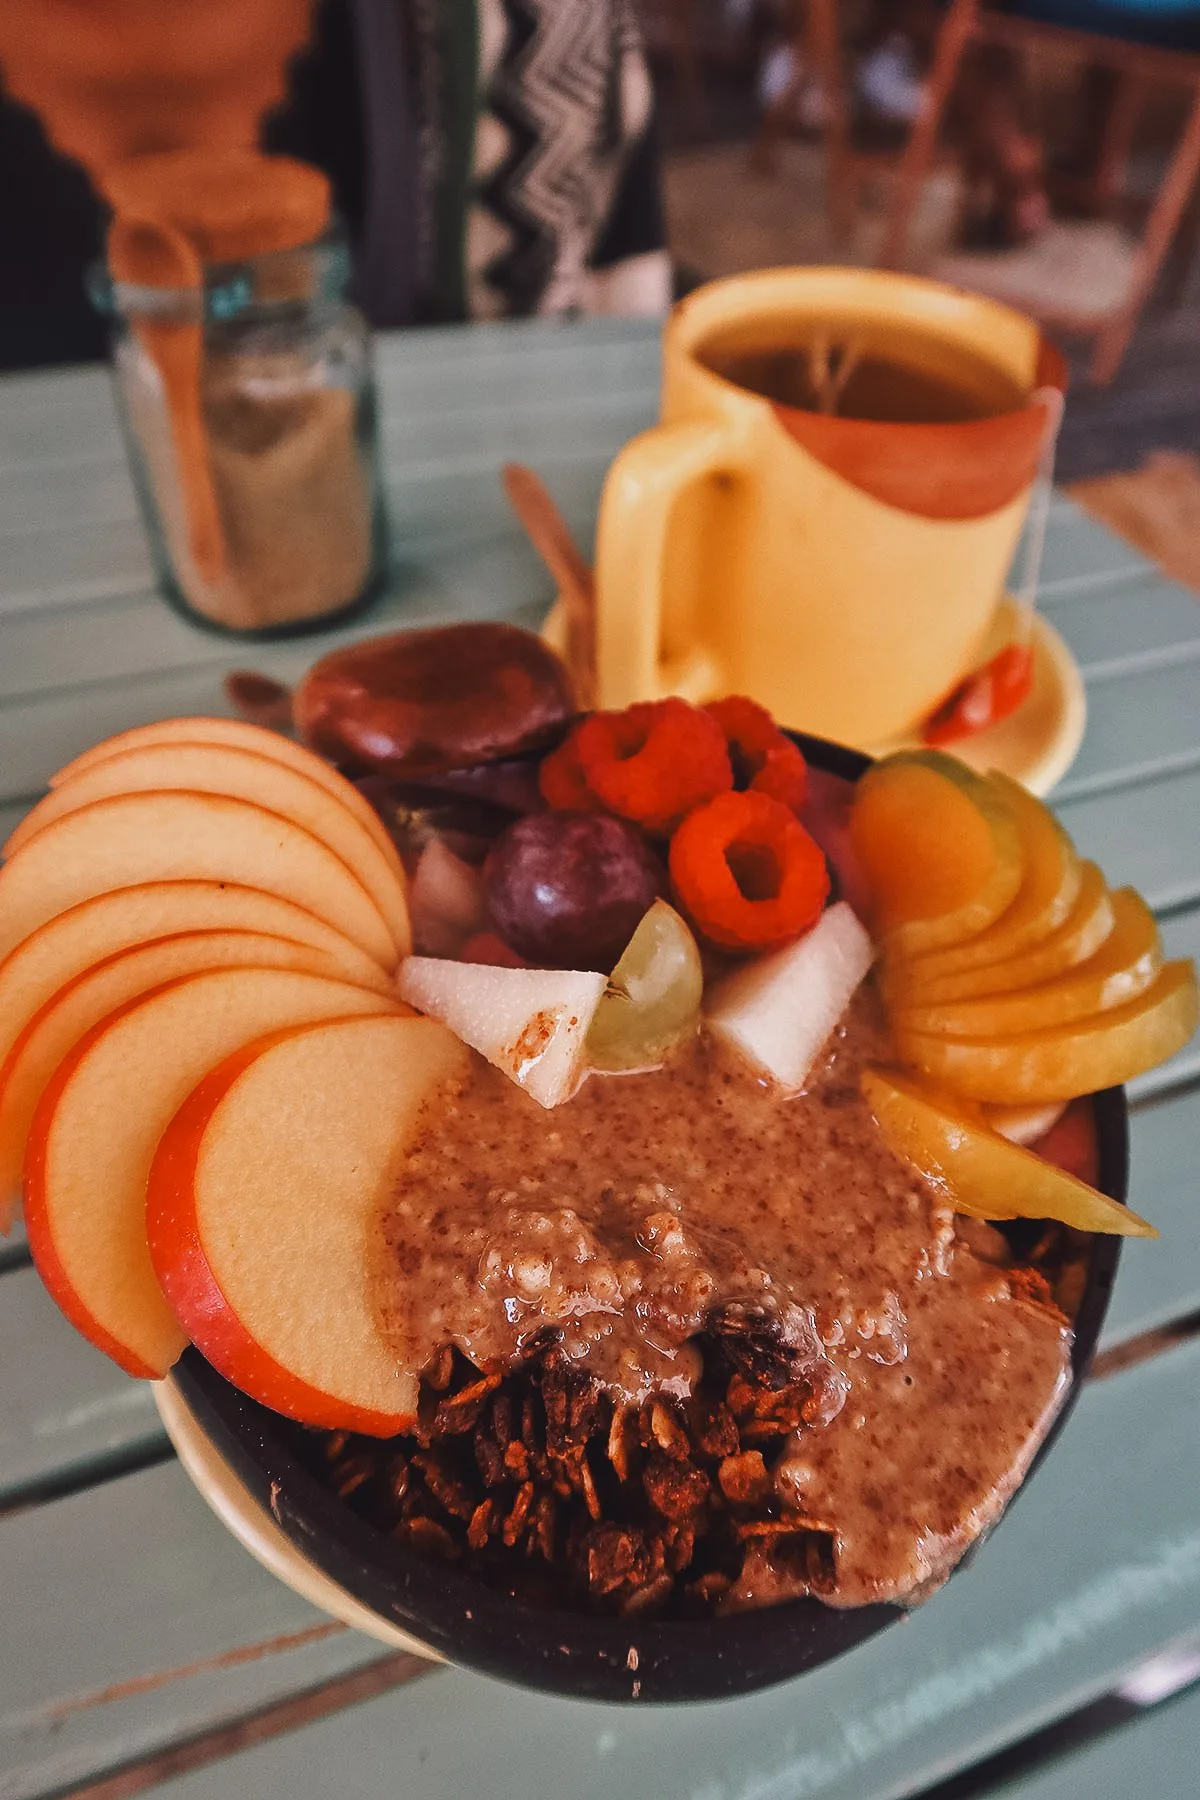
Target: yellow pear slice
(1050,877)
(133,838)
(906,983)
(1123,967)
(239,735)
(98,1124)
(243,775)
(980,1172)
(939,847)
(1062,1061)
(58,1025)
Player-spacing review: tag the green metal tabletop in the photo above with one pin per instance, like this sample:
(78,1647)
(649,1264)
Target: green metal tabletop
(139,1644)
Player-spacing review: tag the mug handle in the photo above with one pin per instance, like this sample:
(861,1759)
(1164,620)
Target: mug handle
(640,491)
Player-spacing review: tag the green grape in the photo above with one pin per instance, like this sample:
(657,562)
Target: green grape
(653,997)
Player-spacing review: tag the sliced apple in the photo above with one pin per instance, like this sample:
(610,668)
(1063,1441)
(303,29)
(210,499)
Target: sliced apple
(1124,966)
(780,1010)
(1050,881)
(1024,1124)
(97,1126)
(134,838)
(242,775)
(91,995)
(1062,1061)
(980,1172)
(1086,927)
(262,1203)
(239,736)
(939,847)
(531,1023)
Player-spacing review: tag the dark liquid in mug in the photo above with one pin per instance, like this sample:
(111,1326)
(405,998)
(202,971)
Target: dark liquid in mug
(843,375)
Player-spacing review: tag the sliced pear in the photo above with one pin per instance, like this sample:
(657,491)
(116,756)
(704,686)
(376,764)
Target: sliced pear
(530,1023)
(242,775)
(1124,966)
(939,847)
(1062,1061)
(1050,878)
(981,1173)
(905,982)
(134,838)
(262,1201)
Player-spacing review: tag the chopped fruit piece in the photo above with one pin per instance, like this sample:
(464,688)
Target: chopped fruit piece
(97,1126)
(178,837)
(486,947)
(58,1026)
(1123,967)
(763,758)
(240,736)
(1049,888)
(531,1023)
(985,697)
(1085,929)
(242,775)
(261,1203)
(653,762)
(445,900)
(653,997)
(781,1010)
(1023,1124)
(747,873)
(1062,1061)
(980,1172)
(940,849)
(567,889)
(561,780)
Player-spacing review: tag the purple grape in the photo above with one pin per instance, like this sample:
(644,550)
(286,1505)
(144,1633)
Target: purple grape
(566,890)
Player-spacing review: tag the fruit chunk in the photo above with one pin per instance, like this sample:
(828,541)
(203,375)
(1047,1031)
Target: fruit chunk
(98,1124)
(242,775)
(261,1205)
(97,991)
(239,736)
(980,1172)
(653,997)
(1080,935)
(566,889)
(940,849)
(170,837)
(1062,1061)
(1123,967)
(530,1023)
(1049,887)
(780,1010)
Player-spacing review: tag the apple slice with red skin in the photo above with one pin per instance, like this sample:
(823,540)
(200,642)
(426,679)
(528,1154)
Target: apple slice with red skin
(262,1203)
(239,736)
(97,1126)
(91,995)
(133,838)
(242,775)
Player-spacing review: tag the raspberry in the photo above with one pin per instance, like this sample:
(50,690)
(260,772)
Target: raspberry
(562,781)
(747,873)
(764,759)
(654,762)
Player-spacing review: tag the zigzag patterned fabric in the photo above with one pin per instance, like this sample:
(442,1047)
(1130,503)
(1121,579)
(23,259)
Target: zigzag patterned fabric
(566,99)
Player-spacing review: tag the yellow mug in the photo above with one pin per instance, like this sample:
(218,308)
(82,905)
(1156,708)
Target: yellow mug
(843,571)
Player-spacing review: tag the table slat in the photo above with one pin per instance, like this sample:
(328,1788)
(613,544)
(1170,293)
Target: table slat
(1154,1755)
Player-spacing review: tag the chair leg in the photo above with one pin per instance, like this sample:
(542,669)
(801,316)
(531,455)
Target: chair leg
(1161,226)
(952,42)
(821,47)
(1119,126)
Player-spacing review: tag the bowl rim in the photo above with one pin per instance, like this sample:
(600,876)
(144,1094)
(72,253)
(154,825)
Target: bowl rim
(574,1654)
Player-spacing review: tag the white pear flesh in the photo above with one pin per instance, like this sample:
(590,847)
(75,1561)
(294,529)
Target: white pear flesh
(529,1023)
(780,1010)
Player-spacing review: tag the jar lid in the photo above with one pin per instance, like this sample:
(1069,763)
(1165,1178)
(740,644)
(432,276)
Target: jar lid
(229,205)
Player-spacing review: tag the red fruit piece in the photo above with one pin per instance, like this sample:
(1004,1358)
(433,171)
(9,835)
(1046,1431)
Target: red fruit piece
(984,698)
(747,873)
(654,762)
(562,781)
(764,759)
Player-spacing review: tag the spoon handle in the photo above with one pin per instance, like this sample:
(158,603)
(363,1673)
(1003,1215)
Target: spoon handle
(550,536)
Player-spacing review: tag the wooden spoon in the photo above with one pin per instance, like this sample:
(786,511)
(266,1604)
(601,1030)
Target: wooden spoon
(147,252)
(551,537)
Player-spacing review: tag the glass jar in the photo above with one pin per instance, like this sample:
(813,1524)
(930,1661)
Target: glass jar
(248,404)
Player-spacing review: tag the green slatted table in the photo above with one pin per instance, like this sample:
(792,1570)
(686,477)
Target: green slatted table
(137,1640)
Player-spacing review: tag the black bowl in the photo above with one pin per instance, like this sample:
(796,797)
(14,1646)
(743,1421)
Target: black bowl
(460,1619)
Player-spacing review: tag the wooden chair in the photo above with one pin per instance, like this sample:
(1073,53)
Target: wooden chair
(1138,70)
